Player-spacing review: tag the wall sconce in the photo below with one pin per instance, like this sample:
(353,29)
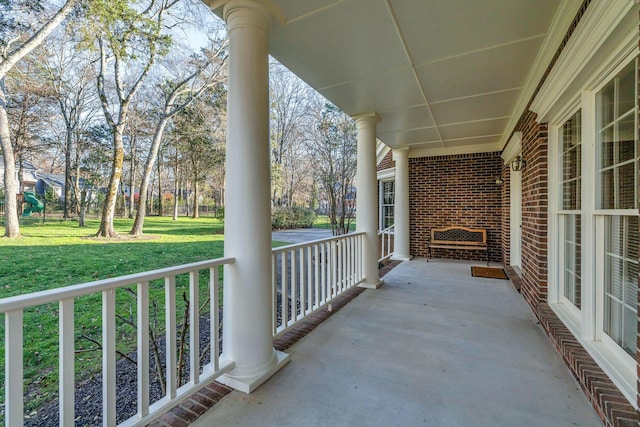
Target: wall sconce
(518,164)
(499,181)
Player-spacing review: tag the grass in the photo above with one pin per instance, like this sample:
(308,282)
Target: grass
(322,221)
(58,253)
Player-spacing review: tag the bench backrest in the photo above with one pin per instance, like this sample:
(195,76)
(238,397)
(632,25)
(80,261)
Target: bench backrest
(459,235)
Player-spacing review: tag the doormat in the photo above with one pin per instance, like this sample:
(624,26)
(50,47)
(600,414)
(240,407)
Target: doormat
(489,272)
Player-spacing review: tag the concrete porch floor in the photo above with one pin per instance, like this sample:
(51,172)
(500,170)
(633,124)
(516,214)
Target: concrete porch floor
(433,347)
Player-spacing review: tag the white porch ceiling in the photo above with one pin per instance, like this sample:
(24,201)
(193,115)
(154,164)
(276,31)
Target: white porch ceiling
(441,74)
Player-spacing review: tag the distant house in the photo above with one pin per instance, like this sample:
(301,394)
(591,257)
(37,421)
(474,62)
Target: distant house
(50,181)
(29,176)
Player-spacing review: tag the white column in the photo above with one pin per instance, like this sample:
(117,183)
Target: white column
(366,198)
(401,208)
(247,338)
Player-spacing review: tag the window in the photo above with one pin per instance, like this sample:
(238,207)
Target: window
(594,226)
(570,220)
(621,281)
(617,204)
(387,204)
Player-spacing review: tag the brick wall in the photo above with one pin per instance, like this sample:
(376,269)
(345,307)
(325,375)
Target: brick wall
(638,308)
(506,214)
(387,162)
(456,190)
(534,209)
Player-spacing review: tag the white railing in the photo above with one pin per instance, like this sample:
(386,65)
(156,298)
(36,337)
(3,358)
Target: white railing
(386,242)
(308,276)
(199,376)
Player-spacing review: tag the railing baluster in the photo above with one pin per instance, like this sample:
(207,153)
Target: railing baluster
(309,281)
(294,287)
(284,293)
(359,257)
(334,268)
(170,326)
(274,292)
(301,284)
(348,260)
(143,349)
(323,271)
(194,328)
(214,316)
(339,261)
(13,349)
(109,357)
(316,287)
(66,363)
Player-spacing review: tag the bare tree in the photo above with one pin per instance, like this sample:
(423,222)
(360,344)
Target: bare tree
(208,73)
(17,39)
(30,111)
(71,74)
(332,142)
(289,97)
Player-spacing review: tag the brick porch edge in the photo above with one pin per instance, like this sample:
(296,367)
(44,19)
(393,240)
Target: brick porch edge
(609,403)
(192,408)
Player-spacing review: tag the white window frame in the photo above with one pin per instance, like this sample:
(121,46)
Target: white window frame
(381,204)
(587,324)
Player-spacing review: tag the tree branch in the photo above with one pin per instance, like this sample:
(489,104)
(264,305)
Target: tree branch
(13,57)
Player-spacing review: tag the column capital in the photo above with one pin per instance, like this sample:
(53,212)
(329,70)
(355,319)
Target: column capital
(366,119)
(251,13)
(402,152)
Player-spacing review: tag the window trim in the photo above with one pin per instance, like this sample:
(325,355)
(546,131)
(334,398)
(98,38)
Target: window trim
(587,324)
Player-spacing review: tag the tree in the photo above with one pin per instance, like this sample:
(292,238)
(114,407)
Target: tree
(332,142)
(20,34)
(71,75)
(288,96)
(200,140)
(207,74)
(130,37)
(30,111)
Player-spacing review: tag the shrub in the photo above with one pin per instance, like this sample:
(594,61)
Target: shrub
(283,218)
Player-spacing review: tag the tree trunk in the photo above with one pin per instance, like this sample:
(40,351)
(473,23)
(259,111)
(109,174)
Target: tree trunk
(83,208)
(108,210)
(20,175)
(11,223)
(196,210)
(159,188)
(132,178)
(175,198)
(79,198)
(125,210)
(67,173)
(187,200)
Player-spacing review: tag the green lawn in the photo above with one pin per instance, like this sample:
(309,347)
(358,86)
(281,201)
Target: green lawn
(58,253)
(322,221)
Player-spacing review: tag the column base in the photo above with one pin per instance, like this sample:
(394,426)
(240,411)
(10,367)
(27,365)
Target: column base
(369,285)
(401,258)
(249,384)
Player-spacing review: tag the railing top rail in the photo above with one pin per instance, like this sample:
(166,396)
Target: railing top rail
(20,302)
(387,230)
(315,242)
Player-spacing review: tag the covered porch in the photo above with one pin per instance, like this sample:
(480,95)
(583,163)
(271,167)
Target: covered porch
(458,91)
(434,346)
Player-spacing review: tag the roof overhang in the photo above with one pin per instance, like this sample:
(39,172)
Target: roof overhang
(445,76)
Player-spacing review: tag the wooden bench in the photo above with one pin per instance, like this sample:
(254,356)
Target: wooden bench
(458,238)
